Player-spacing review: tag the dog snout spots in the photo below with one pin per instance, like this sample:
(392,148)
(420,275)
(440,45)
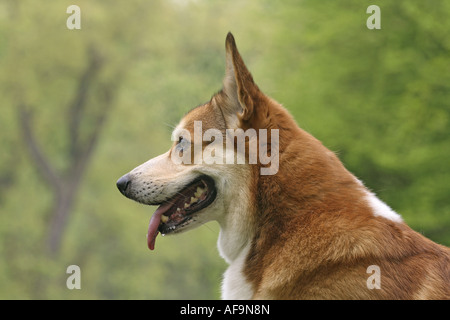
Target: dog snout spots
(140,189)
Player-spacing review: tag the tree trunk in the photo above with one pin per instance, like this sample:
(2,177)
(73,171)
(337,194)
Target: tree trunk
(59,215)
(65,184)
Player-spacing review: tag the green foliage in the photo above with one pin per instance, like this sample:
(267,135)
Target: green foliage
(379,98)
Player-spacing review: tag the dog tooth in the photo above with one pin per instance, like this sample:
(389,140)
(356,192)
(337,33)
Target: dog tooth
(198,192)
(194,200)
(164,218)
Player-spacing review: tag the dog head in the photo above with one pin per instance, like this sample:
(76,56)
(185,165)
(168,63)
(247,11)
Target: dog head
(211,162)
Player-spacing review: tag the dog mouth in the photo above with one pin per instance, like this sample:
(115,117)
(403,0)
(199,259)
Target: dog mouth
(177,212)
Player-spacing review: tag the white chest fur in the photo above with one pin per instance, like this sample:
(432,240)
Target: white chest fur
(235,286)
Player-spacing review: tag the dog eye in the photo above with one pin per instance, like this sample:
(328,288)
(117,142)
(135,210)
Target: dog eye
(182,144)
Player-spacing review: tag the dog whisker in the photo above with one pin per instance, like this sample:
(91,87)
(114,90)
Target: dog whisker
(170,125)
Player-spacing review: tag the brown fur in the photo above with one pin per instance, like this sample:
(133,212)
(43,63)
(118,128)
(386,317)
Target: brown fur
(314,237)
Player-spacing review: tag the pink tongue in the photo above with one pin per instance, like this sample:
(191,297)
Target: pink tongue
(154,224)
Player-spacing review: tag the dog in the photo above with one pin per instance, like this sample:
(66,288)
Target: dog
(305,229)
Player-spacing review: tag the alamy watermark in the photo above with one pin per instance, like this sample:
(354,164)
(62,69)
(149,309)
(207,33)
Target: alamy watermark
(374,21)
(74,20)
(74,280)
(251,147)
(374,281)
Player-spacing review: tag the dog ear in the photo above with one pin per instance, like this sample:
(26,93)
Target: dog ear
(238,83)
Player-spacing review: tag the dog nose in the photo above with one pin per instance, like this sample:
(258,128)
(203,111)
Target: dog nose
(123,183)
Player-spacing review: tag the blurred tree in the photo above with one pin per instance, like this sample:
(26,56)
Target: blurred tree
(65,184)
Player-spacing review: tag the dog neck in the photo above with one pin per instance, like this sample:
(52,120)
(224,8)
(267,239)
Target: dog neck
(236,227)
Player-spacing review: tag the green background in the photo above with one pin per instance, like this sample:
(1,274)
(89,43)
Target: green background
(110,93)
